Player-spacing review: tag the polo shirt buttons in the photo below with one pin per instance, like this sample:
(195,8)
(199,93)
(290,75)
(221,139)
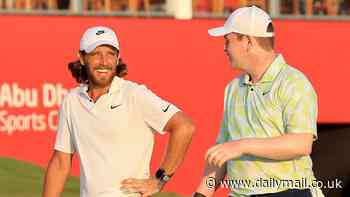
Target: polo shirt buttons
(251,89)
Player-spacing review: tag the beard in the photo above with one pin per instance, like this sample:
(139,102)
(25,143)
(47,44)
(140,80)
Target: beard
(101,80)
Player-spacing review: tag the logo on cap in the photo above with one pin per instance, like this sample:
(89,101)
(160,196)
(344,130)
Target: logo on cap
(99,32)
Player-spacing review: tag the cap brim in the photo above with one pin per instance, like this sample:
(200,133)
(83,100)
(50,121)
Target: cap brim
(99,43)
(218,31)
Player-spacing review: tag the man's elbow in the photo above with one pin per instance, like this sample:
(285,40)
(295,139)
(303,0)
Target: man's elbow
(307,150)
(304,150)
(181,125)
(58,167)
(189,127)
(61,162)
(303,144)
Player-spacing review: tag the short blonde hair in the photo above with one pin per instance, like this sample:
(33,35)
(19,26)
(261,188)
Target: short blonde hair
(267,43)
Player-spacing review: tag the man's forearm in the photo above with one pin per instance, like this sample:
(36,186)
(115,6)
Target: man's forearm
(211,180)
(179,141)
(284,147)
(55,179)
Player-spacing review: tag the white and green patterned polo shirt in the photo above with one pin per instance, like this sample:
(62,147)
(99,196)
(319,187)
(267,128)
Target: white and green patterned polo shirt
(283,101)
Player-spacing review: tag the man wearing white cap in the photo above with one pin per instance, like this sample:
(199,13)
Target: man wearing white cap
(269,121)
(110,123)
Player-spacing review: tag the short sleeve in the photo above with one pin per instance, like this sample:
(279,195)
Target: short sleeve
(64,141)
(223,135)
(300,110)
(155,111)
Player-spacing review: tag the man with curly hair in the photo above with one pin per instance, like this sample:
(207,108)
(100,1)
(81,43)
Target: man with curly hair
(110,123)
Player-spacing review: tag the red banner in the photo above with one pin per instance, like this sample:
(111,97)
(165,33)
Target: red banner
(176,59)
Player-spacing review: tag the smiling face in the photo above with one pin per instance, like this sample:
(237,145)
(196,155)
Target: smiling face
(101,65)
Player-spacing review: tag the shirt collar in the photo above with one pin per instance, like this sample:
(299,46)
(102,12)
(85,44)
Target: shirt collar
(271,72)
(83,88)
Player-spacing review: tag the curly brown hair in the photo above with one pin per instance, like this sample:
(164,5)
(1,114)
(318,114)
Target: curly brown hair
(79,72)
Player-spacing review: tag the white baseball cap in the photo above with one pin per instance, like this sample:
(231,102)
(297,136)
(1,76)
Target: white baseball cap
(251,21)
(97,36)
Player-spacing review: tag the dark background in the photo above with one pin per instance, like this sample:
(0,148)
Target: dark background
(331,157)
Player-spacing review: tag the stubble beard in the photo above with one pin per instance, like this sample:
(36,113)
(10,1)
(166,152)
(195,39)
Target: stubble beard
(100,82)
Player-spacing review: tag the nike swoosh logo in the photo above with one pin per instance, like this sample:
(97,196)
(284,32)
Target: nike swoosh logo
(166,109)
(115,106)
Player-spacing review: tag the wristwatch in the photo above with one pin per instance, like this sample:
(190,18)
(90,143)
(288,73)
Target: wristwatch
(160,175)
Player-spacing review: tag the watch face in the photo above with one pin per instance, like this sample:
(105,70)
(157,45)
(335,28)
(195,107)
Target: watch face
(160,174)
(166,178)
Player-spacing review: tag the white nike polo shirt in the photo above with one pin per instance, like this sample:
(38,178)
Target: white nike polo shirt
(113,137)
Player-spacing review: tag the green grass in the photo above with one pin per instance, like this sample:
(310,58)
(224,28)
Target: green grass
(19,179)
